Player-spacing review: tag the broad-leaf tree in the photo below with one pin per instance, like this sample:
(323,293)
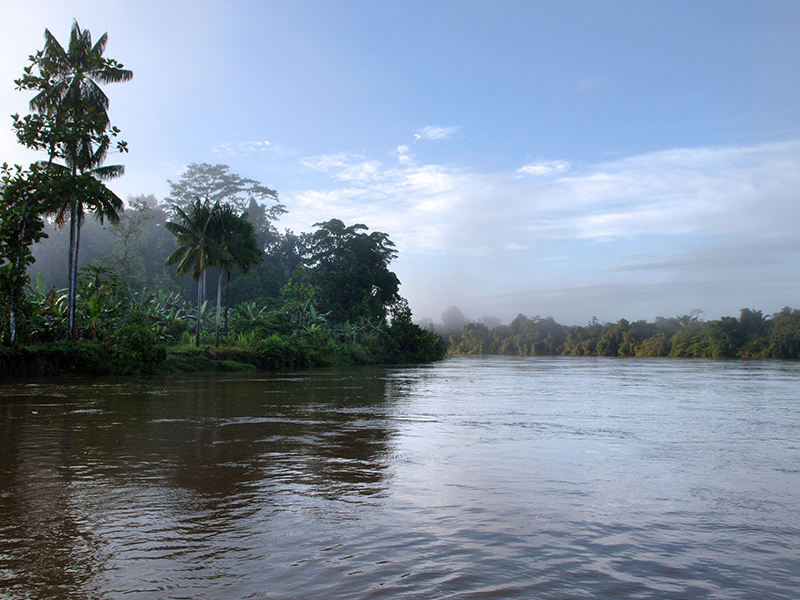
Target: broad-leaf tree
(22,206)
(351,269)
(215,183)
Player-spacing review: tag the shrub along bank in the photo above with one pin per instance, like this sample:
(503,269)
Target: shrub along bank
(137,349)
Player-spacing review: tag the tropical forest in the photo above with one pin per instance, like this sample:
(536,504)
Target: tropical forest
(201,280)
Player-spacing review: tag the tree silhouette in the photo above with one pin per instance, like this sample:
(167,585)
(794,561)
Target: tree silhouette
(235,235)
(198,247)
(71,123)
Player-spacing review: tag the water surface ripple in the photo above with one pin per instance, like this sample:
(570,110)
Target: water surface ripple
(484,477)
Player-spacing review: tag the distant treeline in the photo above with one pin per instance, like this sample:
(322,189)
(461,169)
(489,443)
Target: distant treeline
(752,335)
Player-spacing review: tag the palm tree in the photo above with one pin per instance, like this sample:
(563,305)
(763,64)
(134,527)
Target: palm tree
(70,91)
(234,234)
(197,246)
(76,74)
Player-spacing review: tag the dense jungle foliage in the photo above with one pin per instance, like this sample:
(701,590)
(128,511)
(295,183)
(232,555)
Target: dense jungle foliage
(278,301)
(133,311)
(752,335)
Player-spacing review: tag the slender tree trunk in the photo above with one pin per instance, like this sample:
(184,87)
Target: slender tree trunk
(227,298)
(12,317)
(73,268)
(199,305)
(13,292)
(219,304)
(75,273)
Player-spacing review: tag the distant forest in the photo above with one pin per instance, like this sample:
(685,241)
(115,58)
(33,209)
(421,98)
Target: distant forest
(752,335)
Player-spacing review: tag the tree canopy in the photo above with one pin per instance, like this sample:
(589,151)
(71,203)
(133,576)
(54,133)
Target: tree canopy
(351,269)
(215,183)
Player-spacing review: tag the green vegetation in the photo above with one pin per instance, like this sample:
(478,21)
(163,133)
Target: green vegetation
(70,122)
(752,335)
(317,299)
(129,321)
(291,300)
(123,333)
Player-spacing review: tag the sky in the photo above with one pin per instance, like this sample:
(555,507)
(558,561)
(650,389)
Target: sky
(566,159)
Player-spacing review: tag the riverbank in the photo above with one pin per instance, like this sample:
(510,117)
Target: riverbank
(272,353)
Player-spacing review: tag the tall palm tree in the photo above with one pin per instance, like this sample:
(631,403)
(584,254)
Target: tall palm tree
(236,236)
(76,74)
(73,95)
(197,246)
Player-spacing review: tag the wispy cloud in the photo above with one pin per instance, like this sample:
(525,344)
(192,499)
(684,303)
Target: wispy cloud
(363,172)
(242,148)
(326,162)
(351,168)
(743,191)
(550,167)
(403,157)
(695,217)
(432,132)
(749,255)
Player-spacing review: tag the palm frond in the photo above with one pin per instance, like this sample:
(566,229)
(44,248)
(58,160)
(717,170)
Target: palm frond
(61,214)
(176,256)
(54,53)
(109,172)
(112,75)
(93,96)
(175,229)
(105,205)
(100,46)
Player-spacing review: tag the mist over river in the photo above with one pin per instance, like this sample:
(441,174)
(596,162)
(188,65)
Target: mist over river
(476,477)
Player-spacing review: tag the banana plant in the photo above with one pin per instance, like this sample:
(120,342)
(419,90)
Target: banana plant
(50,311)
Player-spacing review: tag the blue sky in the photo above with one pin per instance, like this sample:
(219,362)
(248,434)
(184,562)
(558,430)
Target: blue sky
(564,159)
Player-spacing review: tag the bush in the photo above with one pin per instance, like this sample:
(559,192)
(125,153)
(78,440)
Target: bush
(412,342)
(279,353)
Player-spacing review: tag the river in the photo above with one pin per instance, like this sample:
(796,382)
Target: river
(476,477)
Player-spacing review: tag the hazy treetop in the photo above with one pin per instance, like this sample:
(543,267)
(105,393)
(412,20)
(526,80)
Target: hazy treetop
(215,183)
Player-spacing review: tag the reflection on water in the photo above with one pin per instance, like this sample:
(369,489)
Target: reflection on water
(486,478)
(174,470)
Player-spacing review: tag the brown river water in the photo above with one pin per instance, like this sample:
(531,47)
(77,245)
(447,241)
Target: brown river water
(484,477)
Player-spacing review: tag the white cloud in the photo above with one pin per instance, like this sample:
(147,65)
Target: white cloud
(736,191)
(432,132)
(241,148)
(545,168)
(403,156)
(326,162)
(743,191)
(363,172)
